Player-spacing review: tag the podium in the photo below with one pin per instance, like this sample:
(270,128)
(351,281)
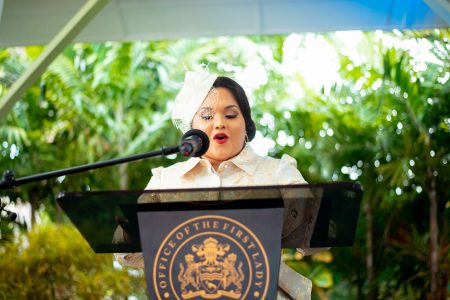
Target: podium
(215,243)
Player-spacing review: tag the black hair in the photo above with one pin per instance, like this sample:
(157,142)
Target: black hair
(241,98)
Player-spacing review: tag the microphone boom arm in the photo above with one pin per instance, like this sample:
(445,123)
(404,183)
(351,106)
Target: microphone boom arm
(9,182)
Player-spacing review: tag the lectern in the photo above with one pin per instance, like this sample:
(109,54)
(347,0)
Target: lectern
(215,243)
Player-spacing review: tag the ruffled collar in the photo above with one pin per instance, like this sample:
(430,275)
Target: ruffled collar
(245,160)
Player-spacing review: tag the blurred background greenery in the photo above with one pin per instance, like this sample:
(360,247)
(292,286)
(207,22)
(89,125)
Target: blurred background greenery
(369,107)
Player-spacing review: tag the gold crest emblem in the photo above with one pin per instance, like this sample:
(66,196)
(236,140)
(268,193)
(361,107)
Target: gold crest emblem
(214,275)
(211,257)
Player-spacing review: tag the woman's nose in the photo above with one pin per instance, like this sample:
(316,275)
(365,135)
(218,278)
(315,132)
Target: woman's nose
(219,122)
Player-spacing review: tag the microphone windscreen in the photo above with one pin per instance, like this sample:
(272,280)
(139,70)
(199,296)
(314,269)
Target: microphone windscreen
(197,134)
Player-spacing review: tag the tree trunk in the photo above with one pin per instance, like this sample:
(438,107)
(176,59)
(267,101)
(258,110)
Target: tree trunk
(123,168)
(34,203)
(432,196)
(434,244)
(369,244)
(123,173)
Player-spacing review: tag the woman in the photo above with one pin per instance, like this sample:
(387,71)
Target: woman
(219,107)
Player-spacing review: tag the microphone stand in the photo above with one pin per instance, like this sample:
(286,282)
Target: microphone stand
(9,182)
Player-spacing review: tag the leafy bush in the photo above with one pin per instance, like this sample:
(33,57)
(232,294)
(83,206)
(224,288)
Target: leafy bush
(55,262)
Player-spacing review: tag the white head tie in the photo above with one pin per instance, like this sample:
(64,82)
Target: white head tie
(195,89)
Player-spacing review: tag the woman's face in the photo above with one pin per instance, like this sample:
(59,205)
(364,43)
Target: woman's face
(221,119)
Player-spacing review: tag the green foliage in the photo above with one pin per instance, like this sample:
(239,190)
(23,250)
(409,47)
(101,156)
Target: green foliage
(316,268)
(380,125)
(55,262)
(384,123)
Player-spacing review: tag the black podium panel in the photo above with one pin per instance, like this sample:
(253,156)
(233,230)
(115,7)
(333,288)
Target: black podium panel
(315,215)
(212,250)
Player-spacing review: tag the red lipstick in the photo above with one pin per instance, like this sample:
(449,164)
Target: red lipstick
(221,138)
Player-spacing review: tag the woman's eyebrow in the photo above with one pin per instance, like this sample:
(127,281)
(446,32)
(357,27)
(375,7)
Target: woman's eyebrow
(206,108)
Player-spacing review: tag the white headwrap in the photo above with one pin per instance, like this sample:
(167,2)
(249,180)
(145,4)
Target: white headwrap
(195,88)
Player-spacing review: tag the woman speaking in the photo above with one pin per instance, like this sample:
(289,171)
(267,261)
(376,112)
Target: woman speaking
(219,107)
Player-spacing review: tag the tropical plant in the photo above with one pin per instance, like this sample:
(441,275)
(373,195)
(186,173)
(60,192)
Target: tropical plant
(384,123)
(55,262)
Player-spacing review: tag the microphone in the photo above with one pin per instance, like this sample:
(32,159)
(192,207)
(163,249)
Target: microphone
(12,216)
(194,143)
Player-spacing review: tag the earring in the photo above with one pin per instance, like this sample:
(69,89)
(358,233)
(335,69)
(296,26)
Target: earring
(247,140)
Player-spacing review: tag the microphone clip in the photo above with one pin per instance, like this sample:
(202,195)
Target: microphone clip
(8,180)
(10,215)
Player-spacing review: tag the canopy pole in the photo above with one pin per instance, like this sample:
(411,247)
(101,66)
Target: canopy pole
(54,48)
(441,8)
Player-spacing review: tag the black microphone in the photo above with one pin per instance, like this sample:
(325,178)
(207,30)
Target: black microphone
(12,216)
(194,143)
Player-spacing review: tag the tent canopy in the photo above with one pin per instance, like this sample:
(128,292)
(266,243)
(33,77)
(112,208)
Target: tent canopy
(30,22)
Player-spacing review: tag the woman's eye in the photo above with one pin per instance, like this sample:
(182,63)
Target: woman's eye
(231,116)
(207,117)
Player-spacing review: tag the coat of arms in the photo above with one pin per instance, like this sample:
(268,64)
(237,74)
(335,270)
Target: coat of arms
(216,272)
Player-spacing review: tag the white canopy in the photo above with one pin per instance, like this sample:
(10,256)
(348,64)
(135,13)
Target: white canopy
(28,22)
